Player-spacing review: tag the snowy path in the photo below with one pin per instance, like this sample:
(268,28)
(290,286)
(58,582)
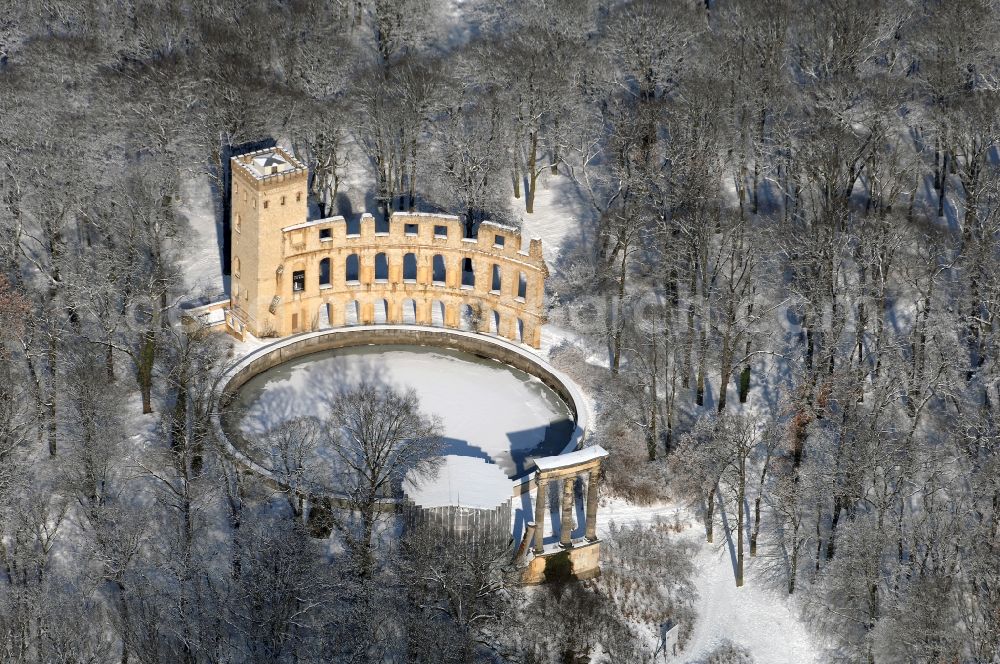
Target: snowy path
(760,619)
(560,217)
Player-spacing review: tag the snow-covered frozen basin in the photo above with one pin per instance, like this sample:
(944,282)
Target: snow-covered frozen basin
(488,409)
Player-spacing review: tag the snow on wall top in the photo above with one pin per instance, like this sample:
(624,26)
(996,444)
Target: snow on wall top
(461,482)
(571,459)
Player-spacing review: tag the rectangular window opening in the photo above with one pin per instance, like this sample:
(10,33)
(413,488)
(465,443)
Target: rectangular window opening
(411,229)
(298,281)
(325,234)
(440,231)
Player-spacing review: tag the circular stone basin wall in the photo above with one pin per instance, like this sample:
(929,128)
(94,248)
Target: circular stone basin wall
(497,402)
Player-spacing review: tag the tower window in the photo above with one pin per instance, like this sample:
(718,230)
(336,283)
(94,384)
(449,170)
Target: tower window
(236,266)
(324,272)
(298,196)
(298,281)
(325,234)
(282,200)
(352,268)
(498,240)
(239,222)
(265,204)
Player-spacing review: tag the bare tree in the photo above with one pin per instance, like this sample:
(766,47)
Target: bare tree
(377,436)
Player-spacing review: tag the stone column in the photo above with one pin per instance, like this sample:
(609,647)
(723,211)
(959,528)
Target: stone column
(540,499)
(566,525)
(423,311)
(394,311)
(592,504)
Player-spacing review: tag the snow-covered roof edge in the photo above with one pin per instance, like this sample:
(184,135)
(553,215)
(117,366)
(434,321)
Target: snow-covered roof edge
(571,459)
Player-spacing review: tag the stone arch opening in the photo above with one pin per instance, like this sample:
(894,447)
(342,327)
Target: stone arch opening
(324,317)
(494,322)
(381,311)
(352,268)
(519,330)
(468,273)
(440,271)
(410,267)
(352,313)
(467,317)
(410,311)
(437,313)
(381,267)
(497,283)
(324,272)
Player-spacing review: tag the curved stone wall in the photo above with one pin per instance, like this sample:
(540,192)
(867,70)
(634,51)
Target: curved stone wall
(421,271)
(293,347)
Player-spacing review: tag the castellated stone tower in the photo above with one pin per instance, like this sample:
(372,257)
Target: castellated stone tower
(269,192)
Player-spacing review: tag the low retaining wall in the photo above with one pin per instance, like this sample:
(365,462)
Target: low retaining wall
(469,524)
(308,343)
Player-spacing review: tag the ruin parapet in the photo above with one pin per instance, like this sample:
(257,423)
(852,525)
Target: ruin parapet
(291,274)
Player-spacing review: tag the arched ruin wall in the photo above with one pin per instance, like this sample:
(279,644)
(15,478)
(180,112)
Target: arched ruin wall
(314,342)
(302,249)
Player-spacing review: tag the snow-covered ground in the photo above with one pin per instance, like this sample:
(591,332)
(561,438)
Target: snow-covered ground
(758,617)
(488,410)
(201,259)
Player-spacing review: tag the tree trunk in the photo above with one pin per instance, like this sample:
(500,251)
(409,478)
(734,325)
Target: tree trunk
(619,316)
(413,176)
(740,495)
(794,563)
(109,363)
(710,515)
(653,414)
(943,185)
(756,507)
(515,177)
(699,396)
(725,365)
(50,399)
(835,518)
(819,535)
(689,338)
(529,200)
(144,370)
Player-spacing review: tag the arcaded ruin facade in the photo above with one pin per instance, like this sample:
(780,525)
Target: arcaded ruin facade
(291,274)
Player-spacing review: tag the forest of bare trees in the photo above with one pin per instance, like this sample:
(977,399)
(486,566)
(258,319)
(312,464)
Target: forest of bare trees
(782,294)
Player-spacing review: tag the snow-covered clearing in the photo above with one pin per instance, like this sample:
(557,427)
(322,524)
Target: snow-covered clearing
(487,409)
(756,616)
